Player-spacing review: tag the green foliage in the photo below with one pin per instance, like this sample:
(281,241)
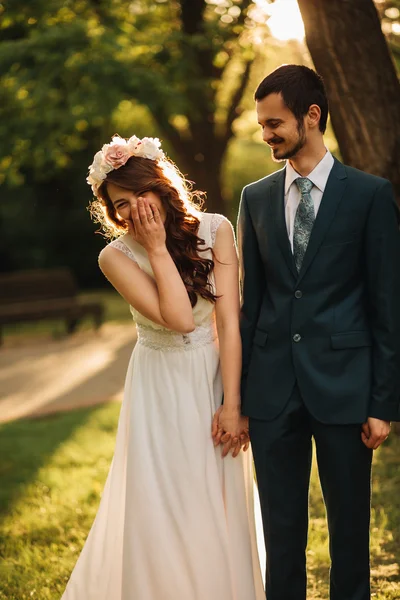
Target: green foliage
(389,11)
(67,66)
(74,72)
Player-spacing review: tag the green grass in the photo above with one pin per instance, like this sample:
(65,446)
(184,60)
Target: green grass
(385,529)
(116,309)
(52,472)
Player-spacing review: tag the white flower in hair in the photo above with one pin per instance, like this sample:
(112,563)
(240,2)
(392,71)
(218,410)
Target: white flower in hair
(133,143)
(149,148)
(115,155)
(98,170)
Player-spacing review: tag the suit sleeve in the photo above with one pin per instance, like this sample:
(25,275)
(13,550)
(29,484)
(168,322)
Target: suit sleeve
(382,253)
(251,282)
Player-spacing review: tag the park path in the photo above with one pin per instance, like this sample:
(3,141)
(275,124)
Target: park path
(45,376)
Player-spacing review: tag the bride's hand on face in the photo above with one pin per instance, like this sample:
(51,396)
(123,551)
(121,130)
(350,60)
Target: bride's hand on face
(146,226)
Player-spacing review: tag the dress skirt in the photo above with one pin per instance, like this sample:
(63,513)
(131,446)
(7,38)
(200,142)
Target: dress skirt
(176,520)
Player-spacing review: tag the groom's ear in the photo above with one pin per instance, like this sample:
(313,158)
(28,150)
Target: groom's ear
(314,116)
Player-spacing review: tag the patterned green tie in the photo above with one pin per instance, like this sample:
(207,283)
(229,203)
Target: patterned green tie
(303,221)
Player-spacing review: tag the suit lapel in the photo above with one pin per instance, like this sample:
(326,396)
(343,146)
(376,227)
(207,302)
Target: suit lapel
(333,194)
(277,213)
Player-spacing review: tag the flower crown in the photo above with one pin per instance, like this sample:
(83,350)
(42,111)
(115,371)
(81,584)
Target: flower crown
(115,154)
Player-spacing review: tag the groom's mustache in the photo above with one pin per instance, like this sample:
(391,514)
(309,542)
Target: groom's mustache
(275,141)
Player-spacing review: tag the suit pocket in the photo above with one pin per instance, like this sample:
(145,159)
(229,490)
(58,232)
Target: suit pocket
(351,339)
(260,337)
(338,243)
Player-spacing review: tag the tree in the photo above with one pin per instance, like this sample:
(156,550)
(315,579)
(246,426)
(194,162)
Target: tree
(192,86)
(68,66)
(389,12)
(349,50)
(73,72)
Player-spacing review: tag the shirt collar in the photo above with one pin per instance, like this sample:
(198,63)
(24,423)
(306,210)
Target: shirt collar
(319,175)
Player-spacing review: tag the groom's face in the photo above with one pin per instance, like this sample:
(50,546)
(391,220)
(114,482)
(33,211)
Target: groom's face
(280,128)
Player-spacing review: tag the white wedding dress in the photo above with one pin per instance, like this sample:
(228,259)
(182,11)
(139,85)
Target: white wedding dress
(176,520)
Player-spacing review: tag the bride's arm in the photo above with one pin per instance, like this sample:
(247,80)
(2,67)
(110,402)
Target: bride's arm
(226,272)
(165,300)
(227,309)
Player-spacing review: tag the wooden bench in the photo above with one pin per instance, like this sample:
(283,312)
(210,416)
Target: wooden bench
(44,294)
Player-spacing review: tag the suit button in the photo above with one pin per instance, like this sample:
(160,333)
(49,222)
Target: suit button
(296,337)
(298,294)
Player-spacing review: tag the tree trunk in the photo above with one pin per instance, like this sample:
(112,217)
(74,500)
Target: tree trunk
(200,149)
(199,158)
(349,50)
(204,159)
(206,176)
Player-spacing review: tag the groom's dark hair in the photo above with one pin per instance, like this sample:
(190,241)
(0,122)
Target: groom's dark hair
(300,87)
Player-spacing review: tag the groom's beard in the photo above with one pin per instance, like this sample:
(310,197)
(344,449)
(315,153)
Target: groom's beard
(280,154)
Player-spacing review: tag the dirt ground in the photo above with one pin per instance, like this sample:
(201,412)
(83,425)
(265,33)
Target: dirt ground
(41,376)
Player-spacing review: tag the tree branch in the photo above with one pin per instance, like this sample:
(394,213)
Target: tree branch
(181,146)
(105,16)
(244,6)
(192,12)
(235,101)
(395,51)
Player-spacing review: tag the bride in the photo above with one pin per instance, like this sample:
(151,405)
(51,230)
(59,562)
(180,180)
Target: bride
(176,518)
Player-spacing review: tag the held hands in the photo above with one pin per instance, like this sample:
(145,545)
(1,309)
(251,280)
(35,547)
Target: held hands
(375,432)
(231,429)
(146,226)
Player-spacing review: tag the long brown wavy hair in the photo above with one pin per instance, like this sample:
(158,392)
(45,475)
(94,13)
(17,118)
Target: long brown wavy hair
(182,207)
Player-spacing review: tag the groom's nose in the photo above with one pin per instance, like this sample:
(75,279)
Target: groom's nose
(267,135)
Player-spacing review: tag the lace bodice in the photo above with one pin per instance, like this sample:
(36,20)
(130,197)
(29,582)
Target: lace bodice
(120,245)
(203,312)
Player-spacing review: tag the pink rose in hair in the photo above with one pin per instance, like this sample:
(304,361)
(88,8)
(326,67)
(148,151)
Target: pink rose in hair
(116,153)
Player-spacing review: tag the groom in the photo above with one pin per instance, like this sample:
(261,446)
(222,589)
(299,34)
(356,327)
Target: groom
(319,252)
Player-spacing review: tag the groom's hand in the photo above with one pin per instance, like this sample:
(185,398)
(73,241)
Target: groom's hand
(375,432)
(231,430)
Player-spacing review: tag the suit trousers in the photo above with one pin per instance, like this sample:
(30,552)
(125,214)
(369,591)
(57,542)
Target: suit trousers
(282,450)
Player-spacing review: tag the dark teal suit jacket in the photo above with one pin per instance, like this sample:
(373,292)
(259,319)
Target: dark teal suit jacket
(333,328)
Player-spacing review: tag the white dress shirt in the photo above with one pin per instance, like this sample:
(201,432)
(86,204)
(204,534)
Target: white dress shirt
(319,176)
